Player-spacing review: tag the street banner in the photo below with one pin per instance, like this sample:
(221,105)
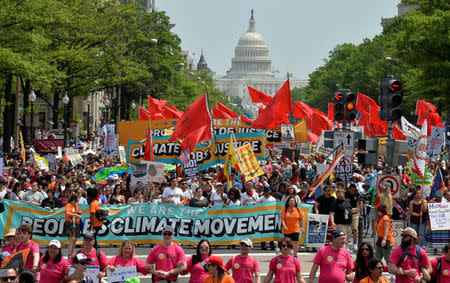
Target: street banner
(120,274)
(75,159)
(439,216)
(317,230)
(435,142)
(287,133)
(109,148)
(51,158)
(191,169)
(103,173)
(248,163)
(143,223)
(206,155)
(122,155)
(139,178)
(41,162)
(155,171)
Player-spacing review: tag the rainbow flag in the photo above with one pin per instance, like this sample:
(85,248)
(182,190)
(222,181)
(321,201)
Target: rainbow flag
(327,173)
(438,183)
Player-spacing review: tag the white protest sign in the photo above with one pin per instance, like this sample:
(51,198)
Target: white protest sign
(59,153)
(155,171)
(91,272)
(287,133)
(120,274)
(317,230)
(435,142)
(439,215)
(109,148)
(122,156)
(321,168)
(397,227)
(75,159)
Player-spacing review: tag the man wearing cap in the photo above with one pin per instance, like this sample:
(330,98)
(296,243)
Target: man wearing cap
(95,257)
(167,259)
(243,265)
(80,263)
(405,262)
(335,262)
(250,196)
(172,194)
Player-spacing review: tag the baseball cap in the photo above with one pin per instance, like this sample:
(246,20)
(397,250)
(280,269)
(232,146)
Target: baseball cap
(410,232)
(168,228)
(267,189)
(55,243)
(81,258)
(12,232)
(219,184)
(337,233)
(248,242)
(217,261)
(89,235)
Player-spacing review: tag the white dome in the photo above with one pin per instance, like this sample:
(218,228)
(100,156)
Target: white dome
(252,38)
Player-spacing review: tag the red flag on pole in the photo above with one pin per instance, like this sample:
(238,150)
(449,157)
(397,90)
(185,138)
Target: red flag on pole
(226,110)
(258,96)
(302,110)
(143,114)
(277,111)
(330,111)
(148,154)
(194,125)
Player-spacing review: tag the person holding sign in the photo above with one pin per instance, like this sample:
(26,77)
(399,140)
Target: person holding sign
(80,263)
(126,258)
(292,222)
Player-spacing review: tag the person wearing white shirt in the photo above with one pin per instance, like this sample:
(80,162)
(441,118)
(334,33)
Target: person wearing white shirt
(250,196)
(218,197)
(267,195)
(172,194)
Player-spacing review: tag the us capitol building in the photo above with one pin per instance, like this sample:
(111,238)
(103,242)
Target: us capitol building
(252,66)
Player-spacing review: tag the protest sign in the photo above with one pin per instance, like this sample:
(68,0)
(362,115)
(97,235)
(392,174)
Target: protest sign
(439,216)
(103,173)
(59,152)
(344,171)
(91,272)
(287,133)
(120,274)
(75,159)
(191,169)
(397,227)
(41,162)
(155,171)
(51,158)
(109,148)
(143,222)
(248,163)
(435,142)
(317,230)
(139,177)
(321,168)
(122,155)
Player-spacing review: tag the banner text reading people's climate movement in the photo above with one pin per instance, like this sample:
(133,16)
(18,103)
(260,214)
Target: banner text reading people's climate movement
(143,223)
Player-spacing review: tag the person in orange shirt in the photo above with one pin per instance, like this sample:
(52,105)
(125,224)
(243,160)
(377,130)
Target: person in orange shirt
(375,271)
(385,240)
(217,271)
(94,225)
(72,226)
(292,222)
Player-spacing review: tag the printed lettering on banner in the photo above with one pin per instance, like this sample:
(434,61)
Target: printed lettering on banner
(120,274)
(439,215)
(317,230)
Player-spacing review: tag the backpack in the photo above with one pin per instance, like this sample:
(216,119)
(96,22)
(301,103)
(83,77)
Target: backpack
(436,277)
(101,214)
(405,252)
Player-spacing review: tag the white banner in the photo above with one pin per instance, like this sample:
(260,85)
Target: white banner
(439,216)
(120,274)
(435,142)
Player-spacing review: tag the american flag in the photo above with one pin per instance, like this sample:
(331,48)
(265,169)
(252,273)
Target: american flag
(185,156)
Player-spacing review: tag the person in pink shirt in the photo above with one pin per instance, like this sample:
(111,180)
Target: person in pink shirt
(244,266)
(10,239)
(167,259)
(285,267)
(335,262)
(95,258)
(126,258)
(52,265)
(197,264)
(444,271)
(408,269)
(23,237)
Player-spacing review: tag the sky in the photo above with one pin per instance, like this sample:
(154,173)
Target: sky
(299,34)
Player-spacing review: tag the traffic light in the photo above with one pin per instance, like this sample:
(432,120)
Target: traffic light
(390,99)
(350,106)
(339,106)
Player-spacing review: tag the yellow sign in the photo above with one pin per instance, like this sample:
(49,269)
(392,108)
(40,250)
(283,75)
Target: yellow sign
(301,135)
(248,163)
(137,130)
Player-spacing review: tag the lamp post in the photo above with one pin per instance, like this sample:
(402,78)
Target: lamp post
(133,106)
(32,98)
(88,101)
(107,103)
(66,120)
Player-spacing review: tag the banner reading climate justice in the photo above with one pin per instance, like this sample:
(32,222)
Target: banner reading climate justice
(143,223)
(206,155)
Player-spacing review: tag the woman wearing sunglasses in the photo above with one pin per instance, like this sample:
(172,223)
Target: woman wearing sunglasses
(363,256)
(376,268)
(285,267)
(217,272)
(197,264)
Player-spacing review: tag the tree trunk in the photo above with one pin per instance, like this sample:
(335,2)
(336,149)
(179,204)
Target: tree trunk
(26,92)
(55,118)
(8,115)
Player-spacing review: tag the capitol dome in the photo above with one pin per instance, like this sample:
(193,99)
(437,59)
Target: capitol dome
(251,55)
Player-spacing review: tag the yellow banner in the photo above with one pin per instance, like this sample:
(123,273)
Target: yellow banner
(301,134)
(41,162)
(248,163)
(137,130)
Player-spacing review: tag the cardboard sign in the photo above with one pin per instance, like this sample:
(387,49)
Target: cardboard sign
(75,159)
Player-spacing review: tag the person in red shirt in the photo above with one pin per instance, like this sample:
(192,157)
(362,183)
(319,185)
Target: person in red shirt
(126,258)
(23,236)
(53,266)
(444,270)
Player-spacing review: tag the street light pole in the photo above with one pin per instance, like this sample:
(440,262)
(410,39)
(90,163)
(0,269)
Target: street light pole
(32,98)
(107,103)
(65,102)
(89,117)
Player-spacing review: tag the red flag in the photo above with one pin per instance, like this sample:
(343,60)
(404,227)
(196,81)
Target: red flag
(312,137)
(397,133)
(155,105)
(364,121)
(194,125)
(277,111)
(226,110)
(330,111)
(319,122)
(176,110)
(148,154)
(258,96)
(366,104)
(170,113)
(302,110)
(246,120)
(143,114)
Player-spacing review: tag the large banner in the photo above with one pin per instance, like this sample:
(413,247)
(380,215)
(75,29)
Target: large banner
(206,155)
(143,223)
(48,145)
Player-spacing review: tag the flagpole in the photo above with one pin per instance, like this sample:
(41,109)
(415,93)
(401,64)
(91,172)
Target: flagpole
(150,134)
